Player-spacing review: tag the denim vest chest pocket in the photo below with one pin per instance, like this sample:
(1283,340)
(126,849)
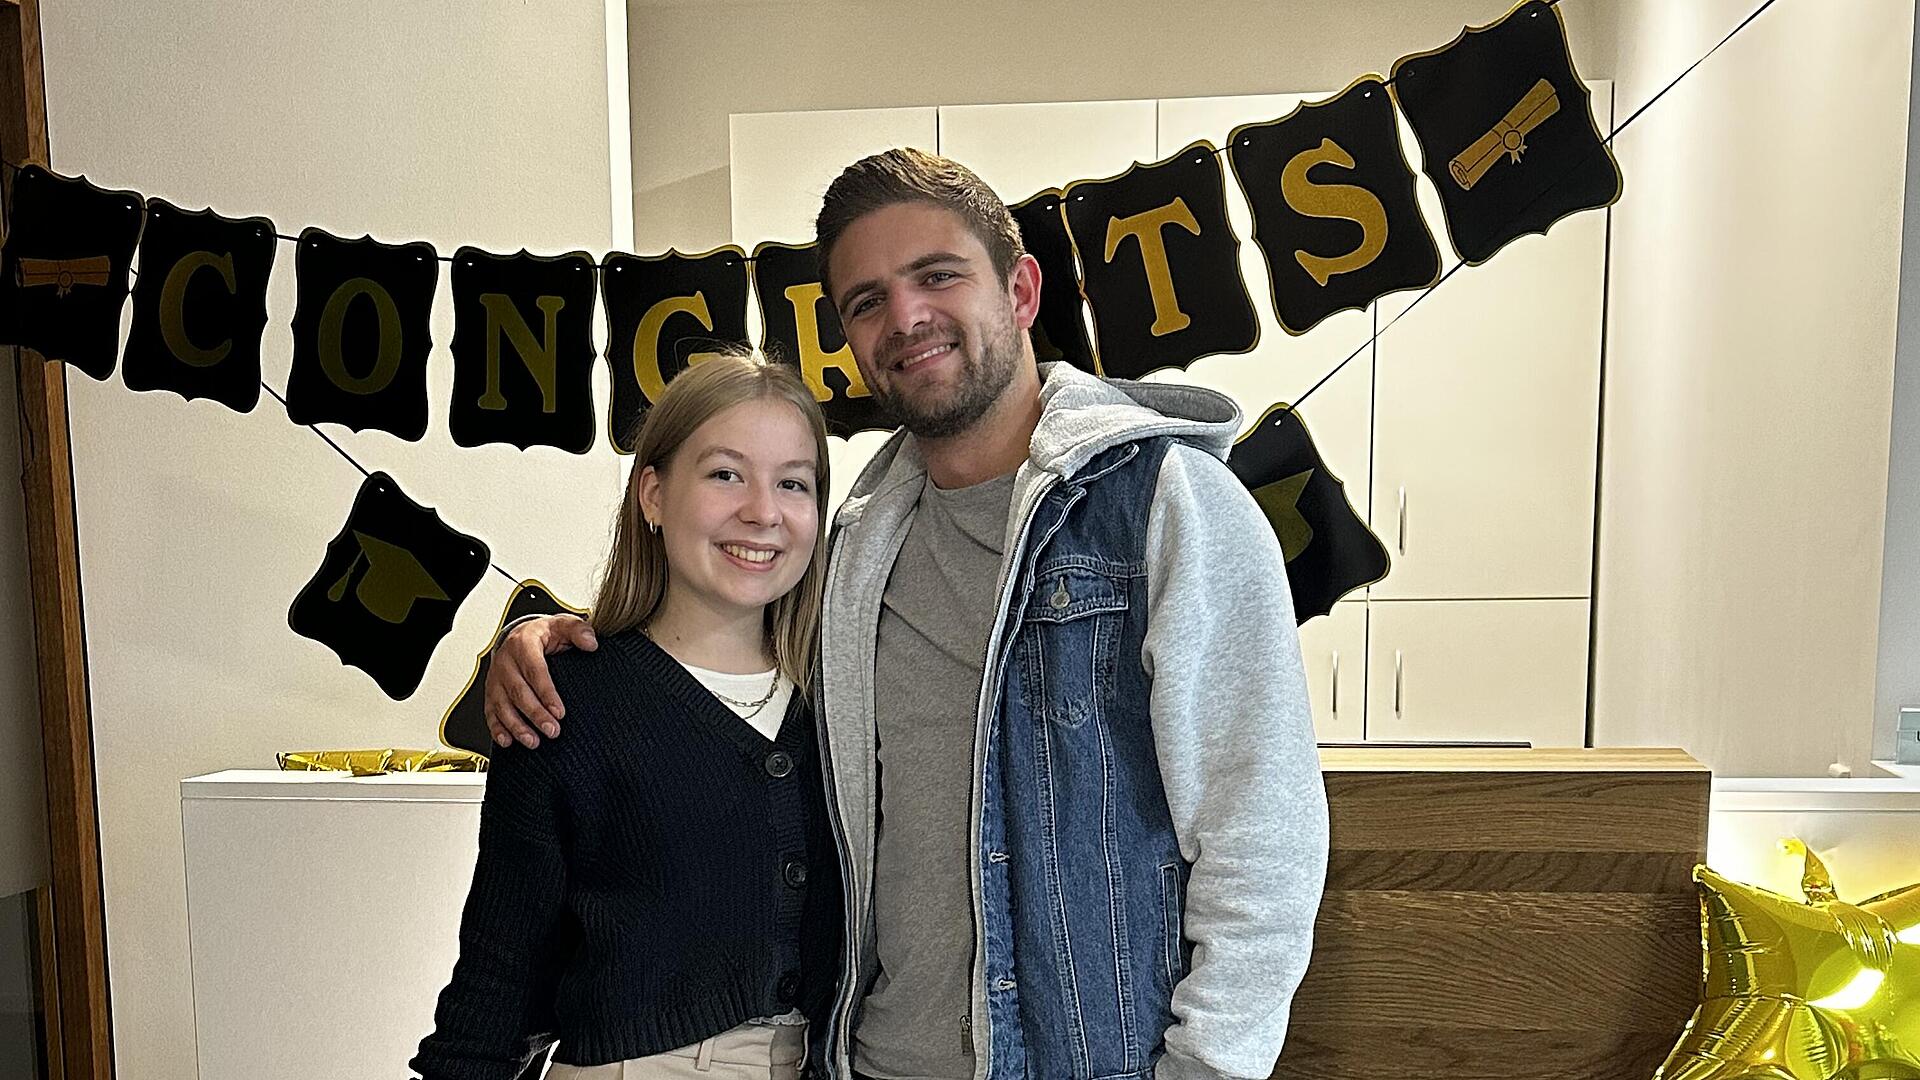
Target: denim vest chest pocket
(1072,621)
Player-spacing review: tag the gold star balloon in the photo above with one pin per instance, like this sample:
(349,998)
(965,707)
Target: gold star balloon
(1814,990)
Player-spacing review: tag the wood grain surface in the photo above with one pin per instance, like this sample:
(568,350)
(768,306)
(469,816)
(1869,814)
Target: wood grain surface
(1503,913)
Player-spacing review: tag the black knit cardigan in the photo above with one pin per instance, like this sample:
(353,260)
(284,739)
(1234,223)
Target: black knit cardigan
(657,874)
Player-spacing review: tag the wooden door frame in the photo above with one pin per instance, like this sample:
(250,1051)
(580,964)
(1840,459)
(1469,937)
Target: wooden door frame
(72,916)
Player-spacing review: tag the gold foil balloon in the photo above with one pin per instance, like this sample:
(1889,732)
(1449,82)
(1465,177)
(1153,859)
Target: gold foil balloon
(1813,990)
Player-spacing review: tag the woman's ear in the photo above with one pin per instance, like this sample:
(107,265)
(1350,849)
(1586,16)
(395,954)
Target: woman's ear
(650,496)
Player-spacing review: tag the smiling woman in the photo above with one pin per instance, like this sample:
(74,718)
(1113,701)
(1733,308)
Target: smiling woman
(656,884)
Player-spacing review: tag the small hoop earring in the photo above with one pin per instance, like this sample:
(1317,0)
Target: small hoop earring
(654,526)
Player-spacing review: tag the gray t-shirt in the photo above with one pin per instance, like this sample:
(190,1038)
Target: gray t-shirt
(935,619)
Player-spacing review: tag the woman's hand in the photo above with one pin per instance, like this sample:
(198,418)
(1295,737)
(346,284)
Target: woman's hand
(520,694)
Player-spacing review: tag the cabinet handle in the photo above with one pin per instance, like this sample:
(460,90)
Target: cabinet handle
(1399,683)
(1402,543)
(1336,684)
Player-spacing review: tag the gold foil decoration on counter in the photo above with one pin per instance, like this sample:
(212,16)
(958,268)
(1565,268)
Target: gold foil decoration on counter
(1814,990)
(376,762)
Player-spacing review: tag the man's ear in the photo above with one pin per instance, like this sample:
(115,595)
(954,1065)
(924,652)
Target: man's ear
(1023,284)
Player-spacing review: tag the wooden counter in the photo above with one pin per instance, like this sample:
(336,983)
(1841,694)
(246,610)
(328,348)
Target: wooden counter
(1503,914)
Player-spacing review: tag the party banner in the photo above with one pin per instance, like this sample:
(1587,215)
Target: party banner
(800,327)
(1501,116)
(1160,265)
(1506,128)
(1334,210)
(523,350)
(665,314)
(65,268)
(200,305)
(361,333)
(1329,550)
(389,586)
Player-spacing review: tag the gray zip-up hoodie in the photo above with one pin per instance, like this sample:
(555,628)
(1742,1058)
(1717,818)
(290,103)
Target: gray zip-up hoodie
(1232,724)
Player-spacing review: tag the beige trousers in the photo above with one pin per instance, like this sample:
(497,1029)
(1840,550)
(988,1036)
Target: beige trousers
(748,1052)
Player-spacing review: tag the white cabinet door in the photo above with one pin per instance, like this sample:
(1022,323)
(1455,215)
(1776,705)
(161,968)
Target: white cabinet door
(1486,406)
(1334,647)
(1282,367)
(781,163)
(1477,669)
(1021,149)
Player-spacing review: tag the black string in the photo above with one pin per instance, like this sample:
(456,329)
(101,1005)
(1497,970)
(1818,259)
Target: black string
(342,451)
(1608,141)
(337,448)
(1364,346)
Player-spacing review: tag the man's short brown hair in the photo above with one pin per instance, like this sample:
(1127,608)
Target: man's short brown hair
(906,175)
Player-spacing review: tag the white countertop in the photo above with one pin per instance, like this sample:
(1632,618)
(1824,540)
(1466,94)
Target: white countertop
(387,787)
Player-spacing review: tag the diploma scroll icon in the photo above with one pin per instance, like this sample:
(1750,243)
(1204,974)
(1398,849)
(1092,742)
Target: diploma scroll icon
(1508,137)
(63,274)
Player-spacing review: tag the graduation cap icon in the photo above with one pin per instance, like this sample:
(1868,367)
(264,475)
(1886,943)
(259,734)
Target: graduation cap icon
(1280,501)
(464,726)
(389,586)
(392,580)
(1328,548)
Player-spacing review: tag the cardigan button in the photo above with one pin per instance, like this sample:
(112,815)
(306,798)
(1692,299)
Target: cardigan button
(794,873)
(787,989)
(779,763)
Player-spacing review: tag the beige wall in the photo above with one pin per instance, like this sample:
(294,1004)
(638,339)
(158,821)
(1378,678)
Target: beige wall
(477,121)
(1748,382)
(693,64)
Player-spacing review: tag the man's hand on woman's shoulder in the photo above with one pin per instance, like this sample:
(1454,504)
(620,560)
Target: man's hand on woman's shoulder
(519,694)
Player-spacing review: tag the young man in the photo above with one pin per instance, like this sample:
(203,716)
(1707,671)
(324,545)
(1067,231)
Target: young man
(1071,757)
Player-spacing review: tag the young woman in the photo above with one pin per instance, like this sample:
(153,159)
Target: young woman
(657,888)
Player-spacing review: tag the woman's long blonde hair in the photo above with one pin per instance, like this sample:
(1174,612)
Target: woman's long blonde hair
(636,575)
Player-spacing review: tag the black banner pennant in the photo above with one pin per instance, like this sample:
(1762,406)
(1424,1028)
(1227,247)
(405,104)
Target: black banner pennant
(361,333)
(1060,333)
(200,305)
(65,267)
(664,313)
(800,327)
(522,350)
(1329,550)
(464,726)
(1334,209)
(1160,264)
(1507,130)
(389,586)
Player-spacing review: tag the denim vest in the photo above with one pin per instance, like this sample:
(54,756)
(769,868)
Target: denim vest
(1081,876)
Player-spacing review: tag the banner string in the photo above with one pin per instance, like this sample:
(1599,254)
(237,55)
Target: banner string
(341,450)
(1364,346)
(1606,142)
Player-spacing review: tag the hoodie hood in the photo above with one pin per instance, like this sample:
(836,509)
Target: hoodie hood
(1080,416)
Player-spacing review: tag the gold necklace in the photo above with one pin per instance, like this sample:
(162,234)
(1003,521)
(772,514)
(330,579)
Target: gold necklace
(756,706)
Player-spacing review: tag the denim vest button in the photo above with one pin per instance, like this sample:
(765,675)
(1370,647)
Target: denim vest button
(787,989)
(779,763)
(1004,984)
(794,873)
(1060,597)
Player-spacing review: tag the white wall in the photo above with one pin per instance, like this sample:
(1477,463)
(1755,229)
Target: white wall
(694,63)
(455,121)
(1898,681)
(23,798)
(1748,382)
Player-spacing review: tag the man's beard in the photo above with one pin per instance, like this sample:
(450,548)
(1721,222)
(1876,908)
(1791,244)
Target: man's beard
(982,381)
